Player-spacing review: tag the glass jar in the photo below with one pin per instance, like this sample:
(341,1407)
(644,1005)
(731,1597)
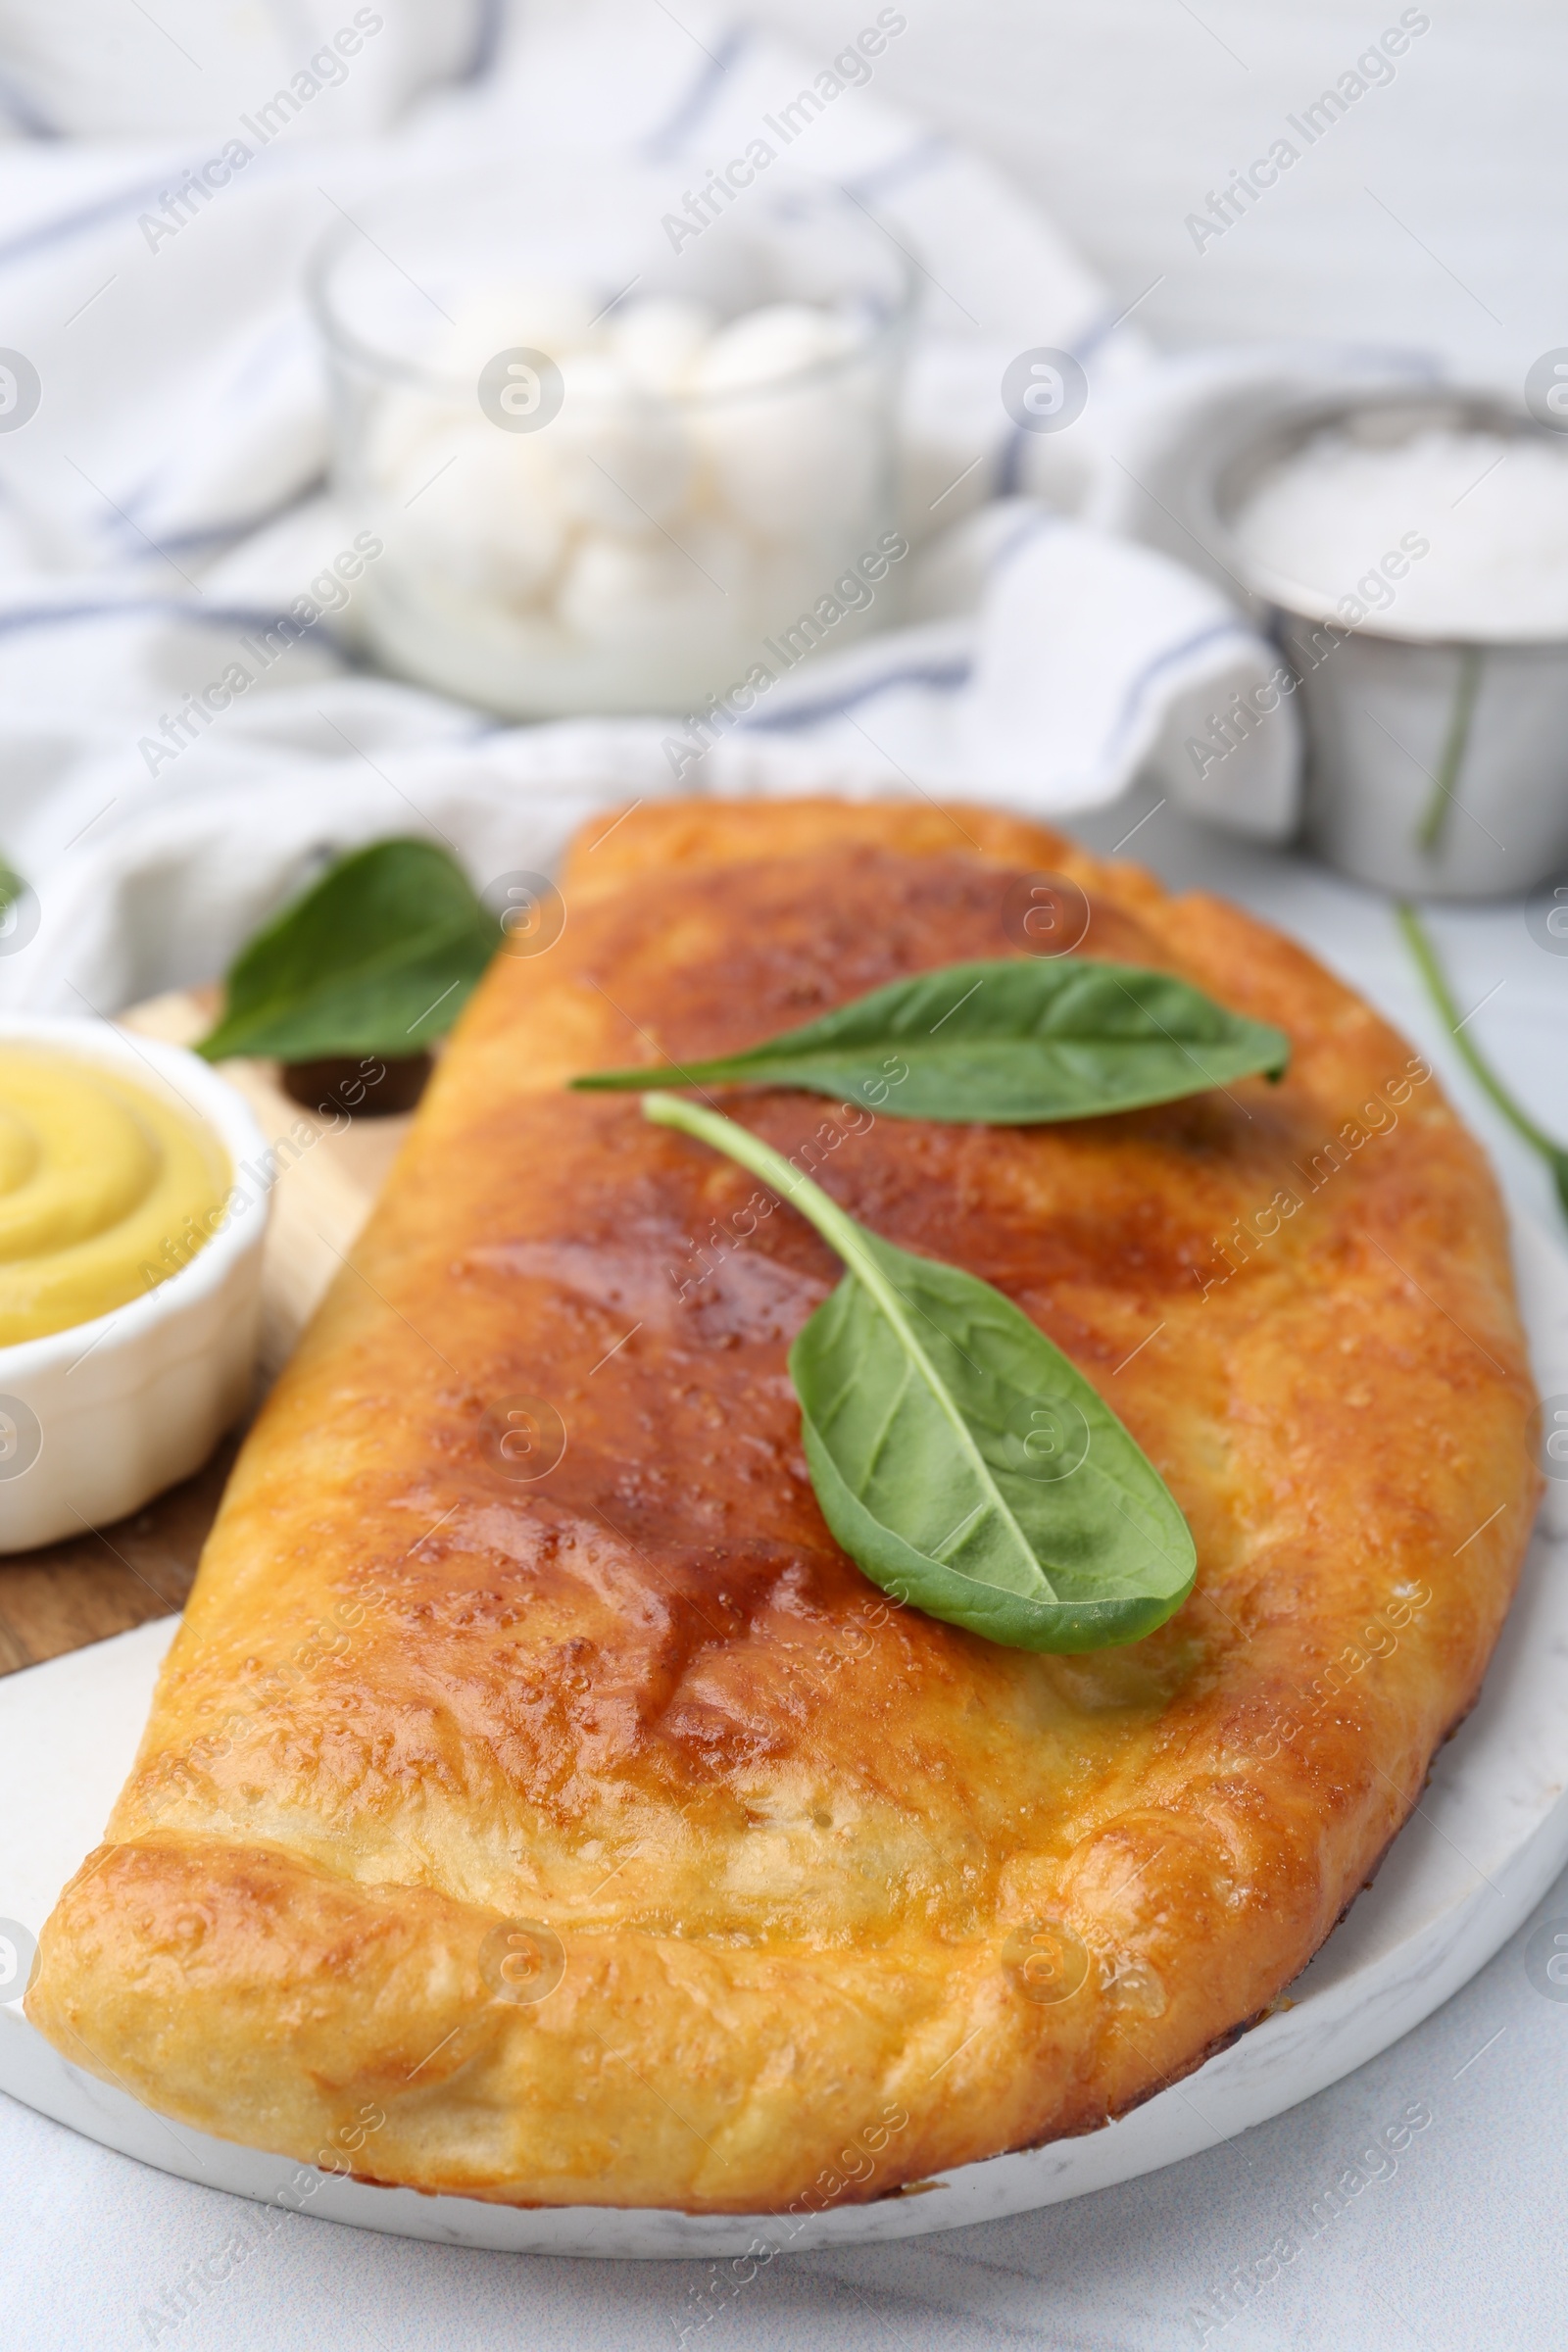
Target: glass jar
(616,443)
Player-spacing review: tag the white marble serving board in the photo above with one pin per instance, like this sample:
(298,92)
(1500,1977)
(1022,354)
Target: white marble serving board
(1489,1837)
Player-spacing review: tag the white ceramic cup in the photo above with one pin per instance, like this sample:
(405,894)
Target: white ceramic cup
(96,1419)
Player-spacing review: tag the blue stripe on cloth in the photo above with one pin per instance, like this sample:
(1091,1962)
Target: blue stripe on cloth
(208,534)
(1137,691)
(1082,347)
(214,617)
(89,216)
(1029,526)
(1098,330)
(907,165)
(487,42)
(949,675)
(1009,465)
(143,195)
(15,102)
(671,137)
(219,534)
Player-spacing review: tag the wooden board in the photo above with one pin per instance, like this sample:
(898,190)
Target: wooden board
(91,1586)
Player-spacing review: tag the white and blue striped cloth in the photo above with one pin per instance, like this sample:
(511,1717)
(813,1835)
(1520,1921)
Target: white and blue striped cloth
(168,496)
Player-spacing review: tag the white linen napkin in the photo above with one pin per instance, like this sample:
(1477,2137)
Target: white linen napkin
(167,500)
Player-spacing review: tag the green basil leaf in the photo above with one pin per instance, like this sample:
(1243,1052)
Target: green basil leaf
(19,908)
(378,957)
(1014,1042)
(958,1457)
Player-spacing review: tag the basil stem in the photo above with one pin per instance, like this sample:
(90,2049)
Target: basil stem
(1485,1076)
(1445,783)
(958,1457)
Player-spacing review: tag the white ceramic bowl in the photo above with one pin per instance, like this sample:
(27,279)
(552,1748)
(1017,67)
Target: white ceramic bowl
(96,1419)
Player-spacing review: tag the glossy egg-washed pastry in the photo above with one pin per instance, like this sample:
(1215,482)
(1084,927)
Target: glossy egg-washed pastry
(599,1825)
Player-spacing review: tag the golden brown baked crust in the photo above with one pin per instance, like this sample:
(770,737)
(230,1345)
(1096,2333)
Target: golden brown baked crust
(815,1864)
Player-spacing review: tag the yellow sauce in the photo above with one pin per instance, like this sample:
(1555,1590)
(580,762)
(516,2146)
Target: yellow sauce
(104,1191)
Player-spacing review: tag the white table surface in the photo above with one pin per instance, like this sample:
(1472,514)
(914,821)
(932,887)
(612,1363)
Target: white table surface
(1431,213)
(1462,2246)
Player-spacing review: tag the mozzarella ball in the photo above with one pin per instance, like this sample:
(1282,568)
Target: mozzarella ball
(482,509)
(400,425)
(764,346)
(621,456)
(539,316)
(787,456)
(658,341)
(644,591)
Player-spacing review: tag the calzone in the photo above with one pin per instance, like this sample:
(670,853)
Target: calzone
(538,1803)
